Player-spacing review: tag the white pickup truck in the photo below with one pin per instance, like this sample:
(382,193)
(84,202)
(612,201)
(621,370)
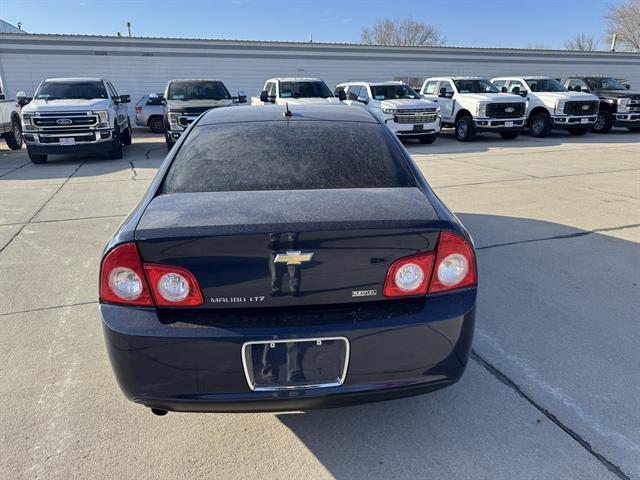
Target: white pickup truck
(473,104)
(551,105)
(76,115)
(294,91)
(10,126)
(397,105)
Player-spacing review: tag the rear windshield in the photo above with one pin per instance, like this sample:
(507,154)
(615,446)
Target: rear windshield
(280,155)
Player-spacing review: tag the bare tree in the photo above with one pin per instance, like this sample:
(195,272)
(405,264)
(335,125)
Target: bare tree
(406,32)
(582,42)
(623,20)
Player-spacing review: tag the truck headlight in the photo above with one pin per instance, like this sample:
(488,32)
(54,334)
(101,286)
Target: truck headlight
(623,105)
(482,109)
(560,107)
(173,121)
(389,111)
(27,124)
(103,118)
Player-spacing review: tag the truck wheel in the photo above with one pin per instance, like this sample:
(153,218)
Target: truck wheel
(604,122)
(465,129)
(37,158)
(427,139)
(509,135)
(156,124)
(126,135)
(577,131)
(14,137)
(540,125)
(116,145)
(633,129)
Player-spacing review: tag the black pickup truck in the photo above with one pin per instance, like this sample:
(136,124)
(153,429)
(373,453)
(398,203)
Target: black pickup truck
(619,107)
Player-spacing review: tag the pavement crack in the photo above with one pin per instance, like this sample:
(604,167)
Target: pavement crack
(55,307)
(503,378)
(561,237)
(13,170)
(133,171)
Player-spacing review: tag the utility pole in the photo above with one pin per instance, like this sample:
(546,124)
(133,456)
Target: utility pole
(129,28)
(614,40)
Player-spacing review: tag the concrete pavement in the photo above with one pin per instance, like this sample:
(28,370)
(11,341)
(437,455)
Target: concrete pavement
(551,392)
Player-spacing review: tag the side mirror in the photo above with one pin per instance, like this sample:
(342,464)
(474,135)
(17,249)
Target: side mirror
(22,99)
(628,86)
(443,92)
(242,96)
(364,100)
(342,95)
(515,90)
(264,96)
(125,98)
(504,90)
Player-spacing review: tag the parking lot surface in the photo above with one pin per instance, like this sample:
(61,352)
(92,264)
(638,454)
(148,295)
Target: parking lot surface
(551,391)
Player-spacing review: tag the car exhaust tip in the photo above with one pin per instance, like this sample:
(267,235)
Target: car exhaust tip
(159,412)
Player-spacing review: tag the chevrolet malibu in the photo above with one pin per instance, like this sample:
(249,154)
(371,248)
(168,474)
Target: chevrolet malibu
(287,259)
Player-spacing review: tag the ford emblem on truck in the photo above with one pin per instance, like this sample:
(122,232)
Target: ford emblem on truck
(586,107)
(64,121)
(509,110)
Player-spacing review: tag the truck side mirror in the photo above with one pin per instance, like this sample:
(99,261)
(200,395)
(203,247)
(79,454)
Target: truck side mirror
(125,98)
(628,86)
(443,92)
(515,90)
(342,95)
(504,90)
(242,97)
(264,96)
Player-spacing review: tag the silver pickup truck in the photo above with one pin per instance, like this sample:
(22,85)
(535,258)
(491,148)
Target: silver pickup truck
(10,126)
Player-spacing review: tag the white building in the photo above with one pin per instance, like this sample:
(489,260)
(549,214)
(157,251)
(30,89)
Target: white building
(139,66)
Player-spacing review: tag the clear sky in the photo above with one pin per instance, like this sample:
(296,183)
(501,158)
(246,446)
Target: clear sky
(479,23)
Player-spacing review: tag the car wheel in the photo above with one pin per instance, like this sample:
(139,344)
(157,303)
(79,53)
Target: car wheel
(509,135)
(427,139)
(126,135)
(633,129)
(116,145)
(465,129)
(577,131)
(604,122)
(37,158)
(540,125)
(156,124)
(14,137)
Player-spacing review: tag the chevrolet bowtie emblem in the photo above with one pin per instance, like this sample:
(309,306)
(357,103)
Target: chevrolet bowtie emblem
(293,257)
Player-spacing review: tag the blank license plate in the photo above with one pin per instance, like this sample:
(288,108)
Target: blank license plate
(508,124)
(298,363)
(417,128)
(584,120)
(67,141)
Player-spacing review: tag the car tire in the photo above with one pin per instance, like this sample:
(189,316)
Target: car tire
(156,124)
(13,138)
(509,135)
(126,135)
(604,122)
(169,142)
(116,145)
(465,129)
(577,131)
(37,158)
(427,139)
(633,129)
(540,125)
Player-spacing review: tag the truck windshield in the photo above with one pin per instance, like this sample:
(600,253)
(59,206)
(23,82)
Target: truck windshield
(393,92)
(604,83)
(304,90)
(476,86)
(198,91)
(283,155)
(545,85)
(86,90)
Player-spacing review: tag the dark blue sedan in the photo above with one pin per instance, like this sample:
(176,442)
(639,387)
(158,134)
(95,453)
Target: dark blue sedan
(287,260)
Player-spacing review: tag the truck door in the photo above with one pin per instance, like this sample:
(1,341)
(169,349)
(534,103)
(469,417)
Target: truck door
(121,108)
(447,104)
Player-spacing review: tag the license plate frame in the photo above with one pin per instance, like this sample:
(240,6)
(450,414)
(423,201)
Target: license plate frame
(418,128)
(248,363)
(67,141)
(584,120)
(508,124)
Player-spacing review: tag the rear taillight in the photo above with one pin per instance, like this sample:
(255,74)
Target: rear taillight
(455,265)
(123,280)
(451,266)
(173,286)
(138,108)
(409,276)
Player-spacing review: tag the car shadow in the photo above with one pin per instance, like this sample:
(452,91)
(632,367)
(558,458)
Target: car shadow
(538,291)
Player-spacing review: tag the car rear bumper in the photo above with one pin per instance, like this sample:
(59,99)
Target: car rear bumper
(183,366)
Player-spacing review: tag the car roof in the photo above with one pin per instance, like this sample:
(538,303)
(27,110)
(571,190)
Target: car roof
(270,113)
(74,79)
(294,79)
(373,84)
(195,80)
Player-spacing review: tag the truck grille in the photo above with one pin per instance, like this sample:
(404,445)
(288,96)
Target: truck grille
(423,115)
(581,108)
(64,120)
(634,105)
(186,121)
(505,110)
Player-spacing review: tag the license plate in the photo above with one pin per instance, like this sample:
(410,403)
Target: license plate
(67,141)
(417,128)
(296,363)
(584,120)
(508,124)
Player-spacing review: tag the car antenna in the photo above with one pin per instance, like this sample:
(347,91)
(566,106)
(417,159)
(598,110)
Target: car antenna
(287,112)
